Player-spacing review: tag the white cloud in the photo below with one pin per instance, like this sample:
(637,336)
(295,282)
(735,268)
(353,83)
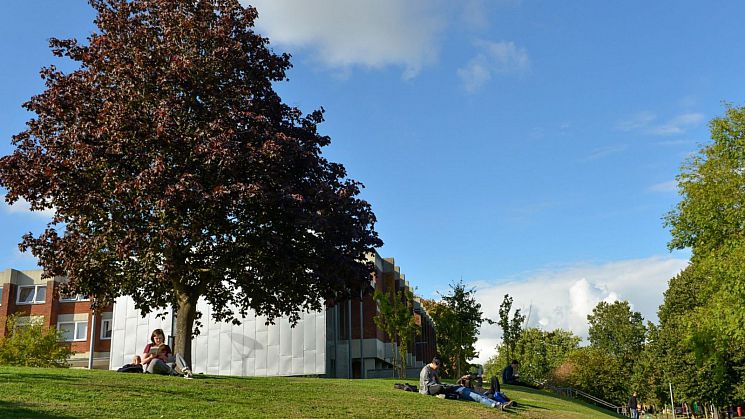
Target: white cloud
(669,186)
(563,297)
(343,34)
(494,58)
(678,124)
(23,207)
(648,123)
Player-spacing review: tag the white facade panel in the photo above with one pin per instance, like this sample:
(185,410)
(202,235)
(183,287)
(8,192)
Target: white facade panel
(250,349)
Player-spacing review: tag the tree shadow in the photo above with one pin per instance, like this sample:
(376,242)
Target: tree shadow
(24,410)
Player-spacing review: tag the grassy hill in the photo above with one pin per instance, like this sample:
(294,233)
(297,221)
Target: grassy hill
(65,393)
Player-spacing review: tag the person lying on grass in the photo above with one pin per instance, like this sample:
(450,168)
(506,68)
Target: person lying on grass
(429,383)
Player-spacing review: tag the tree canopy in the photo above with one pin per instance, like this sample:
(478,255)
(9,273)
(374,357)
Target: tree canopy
(396,318)
(457,318)
(176,171)
(616,329)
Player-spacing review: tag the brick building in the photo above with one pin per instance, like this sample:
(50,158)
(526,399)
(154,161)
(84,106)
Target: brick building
(31,298)
(352,343)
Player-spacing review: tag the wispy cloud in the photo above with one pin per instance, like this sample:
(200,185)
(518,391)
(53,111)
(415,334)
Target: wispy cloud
(343,34)
(678,124)
(493,58)
(602,152)
(670,186)
(647,122)
(563,297)
(23,207)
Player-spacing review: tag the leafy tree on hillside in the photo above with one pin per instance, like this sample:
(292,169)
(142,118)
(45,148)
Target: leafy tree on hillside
(177,173)
(709,221)
(511,328)
(674,354)
(597,372)
(539,352)
(618,330)
(396,319)
(457,318)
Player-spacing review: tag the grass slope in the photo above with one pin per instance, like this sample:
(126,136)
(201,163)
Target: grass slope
(66,393)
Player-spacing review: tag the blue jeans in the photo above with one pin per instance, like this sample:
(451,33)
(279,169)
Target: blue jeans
(466,393)
(500,397)
(634,414)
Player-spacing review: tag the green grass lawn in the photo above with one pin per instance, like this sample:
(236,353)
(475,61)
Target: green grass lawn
(66,393)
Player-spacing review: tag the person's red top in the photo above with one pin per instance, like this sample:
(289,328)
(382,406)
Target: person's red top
(163,356)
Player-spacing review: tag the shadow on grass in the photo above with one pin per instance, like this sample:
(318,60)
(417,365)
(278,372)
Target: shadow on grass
(25,377)
(23,410)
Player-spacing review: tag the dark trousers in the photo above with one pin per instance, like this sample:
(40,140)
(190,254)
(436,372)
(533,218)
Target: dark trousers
(445,389)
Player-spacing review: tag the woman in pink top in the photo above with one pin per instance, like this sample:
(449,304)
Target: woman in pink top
(156,354)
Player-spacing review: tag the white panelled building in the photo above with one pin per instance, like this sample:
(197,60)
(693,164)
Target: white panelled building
(341,341)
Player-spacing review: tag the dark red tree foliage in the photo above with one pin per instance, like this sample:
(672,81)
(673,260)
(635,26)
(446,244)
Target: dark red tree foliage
(176,171)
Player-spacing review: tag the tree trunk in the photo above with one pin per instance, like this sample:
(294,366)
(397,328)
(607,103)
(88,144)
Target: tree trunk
(187,310)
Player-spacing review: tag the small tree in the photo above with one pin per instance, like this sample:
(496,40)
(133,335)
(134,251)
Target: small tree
(457,319)
(32,345)
(511,328)
(396,319)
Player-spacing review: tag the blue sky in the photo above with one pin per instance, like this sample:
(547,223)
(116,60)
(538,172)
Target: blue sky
(526,147)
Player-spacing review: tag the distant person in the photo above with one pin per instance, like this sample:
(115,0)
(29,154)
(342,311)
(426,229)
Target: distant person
(511,374)
(429,383)
(633,406)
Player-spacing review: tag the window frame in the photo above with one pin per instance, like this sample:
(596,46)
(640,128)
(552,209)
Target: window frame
(102,336)
(36,293)
(75,324)
(75,298)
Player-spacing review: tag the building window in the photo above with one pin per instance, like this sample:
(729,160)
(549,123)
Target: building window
(73,331)
(32,294)
(71,298)
(106,329)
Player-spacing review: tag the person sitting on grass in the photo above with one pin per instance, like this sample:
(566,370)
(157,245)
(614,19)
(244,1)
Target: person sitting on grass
(156,354)
(511,375)
(429,383)
(157,357)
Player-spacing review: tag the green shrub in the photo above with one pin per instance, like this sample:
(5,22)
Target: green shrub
(32,345)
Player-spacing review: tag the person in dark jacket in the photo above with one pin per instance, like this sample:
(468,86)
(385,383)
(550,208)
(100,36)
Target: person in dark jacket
(510,374)
(633,406)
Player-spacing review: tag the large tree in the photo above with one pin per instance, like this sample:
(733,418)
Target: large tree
(709,221)
(176,172)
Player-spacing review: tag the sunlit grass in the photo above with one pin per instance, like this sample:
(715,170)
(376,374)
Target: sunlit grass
(64,393)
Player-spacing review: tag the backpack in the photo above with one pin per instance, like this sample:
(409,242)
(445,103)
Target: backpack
(130,368)
(405,387)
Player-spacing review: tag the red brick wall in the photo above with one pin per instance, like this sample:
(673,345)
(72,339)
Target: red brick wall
(51,309)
